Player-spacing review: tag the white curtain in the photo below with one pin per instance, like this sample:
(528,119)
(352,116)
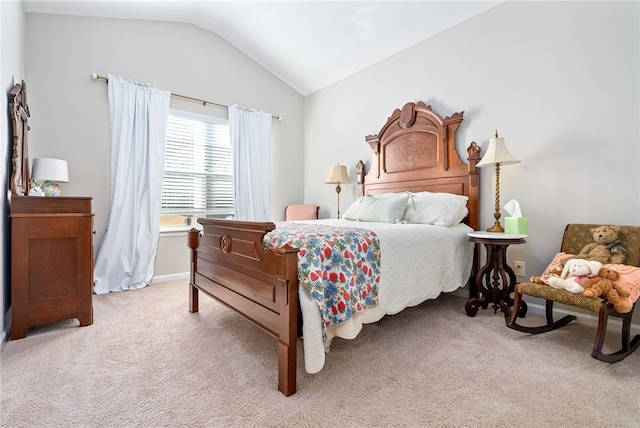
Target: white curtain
(250,133)
(138,116)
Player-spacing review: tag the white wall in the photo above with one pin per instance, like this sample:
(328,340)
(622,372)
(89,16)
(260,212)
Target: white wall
(558,80)
(12,49)
(70,111)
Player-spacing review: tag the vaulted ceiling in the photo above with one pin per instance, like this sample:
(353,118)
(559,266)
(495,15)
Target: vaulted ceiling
(307,44)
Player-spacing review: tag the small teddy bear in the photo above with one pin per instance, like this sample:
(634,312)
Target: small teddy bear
(606,247)
(604,284)
(574,274)
(556,271)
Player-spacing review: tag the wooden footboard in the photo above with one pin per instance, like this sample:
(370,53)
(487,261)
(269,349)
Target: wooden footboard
(228,263)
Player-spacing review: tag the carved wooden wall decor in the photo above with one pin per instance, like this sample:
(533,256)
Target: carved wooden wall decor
(20,123)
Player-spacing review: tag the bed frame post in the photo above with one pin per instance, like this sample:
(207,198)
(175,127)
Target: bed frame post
(473,152)
(473,157)
(193,241)
(287,257)
(360,173)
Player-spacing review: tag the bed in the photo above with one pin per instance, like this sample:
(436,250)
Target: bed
(244,266)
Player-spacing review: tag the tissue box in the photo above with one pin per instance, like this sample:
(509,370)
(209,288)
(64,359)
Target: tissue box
(516,225)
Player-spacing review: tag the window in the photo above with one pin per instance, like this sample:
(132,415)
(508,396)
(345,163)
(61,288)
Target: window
(197,172)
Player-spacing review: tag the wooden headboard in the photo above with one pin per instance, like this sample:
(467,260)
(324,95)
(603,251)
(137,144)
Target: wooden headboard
(20,121)
(416,151)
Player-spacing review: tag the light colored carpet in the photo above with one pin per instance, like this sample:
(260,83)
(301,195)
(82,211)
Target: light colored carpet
(147,362)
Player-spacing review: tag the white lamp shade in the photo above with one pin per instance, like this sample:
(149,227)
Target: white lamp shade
(338,174)
(497,153)
(47,169)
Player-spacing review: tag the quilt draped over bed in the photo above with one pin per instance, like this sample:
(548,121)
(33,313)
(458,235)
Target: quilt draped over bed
(338,266)
(420,261)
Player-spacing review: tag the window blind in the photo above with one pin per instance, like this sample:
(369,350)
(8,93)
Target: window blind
(197,175)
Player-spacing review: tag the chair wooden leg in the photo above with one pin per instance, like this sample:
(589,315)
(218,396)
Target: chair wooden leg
(549,311)
(626,332)
(628,346)
(550,325)
(513,318)
(603,319)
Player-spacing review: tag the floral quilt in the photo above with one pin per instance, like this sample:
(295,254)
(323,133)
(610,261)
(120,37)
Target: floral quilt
(338,266)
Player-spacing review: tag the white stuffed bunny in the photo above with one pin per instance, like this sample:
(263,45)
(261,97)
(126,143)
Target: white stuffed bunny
(575,273)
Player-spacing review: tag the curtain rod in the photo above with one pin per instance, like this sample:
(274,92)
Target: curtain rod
(95,76)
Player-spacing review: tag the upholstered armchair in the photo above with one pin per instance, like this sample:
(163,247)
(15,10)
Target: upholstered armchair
(301,212)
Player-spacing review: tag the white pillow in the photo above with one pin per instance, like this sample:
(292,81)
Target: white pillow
(353,211)
(387,209)
(442,209)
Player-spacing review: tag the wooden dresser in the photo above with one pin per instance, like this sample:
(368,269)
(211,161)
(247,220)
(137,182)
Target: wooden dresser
(51,261)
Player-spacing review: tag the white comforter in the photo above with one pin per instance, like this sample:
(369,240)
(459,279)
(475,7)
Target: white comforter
(418,262)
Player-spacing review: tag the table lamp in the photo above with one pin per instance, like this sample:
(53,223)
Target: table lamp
(46,173)
(338,174)
(497,154)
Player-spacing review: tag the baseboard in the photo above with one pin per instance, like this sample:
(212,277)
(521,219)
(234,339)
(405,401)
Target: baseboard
(4,335)
(4,340)
(581,317)
(169,278)
(461,292)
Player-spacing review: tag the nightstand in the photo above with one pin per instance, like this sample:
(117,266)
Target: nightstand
(495,281)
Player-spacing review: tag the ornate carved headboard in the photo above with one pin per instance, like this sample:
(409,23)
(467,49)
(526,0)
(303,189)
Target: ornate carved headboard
(416,151)
(20,122)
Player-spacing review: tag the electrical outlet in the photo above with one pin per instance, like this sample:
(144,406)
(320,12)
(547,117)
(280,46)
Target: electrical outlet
(518,267)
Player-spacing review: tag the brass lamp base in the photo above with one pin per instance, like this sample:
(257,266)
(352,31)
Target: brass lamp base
(338,189)
(496,228)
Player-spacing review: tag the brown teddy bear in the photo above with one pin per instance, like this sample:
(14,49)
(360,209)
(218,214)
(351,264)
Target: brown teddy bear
(604,284)
(606,247)
(557,271)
